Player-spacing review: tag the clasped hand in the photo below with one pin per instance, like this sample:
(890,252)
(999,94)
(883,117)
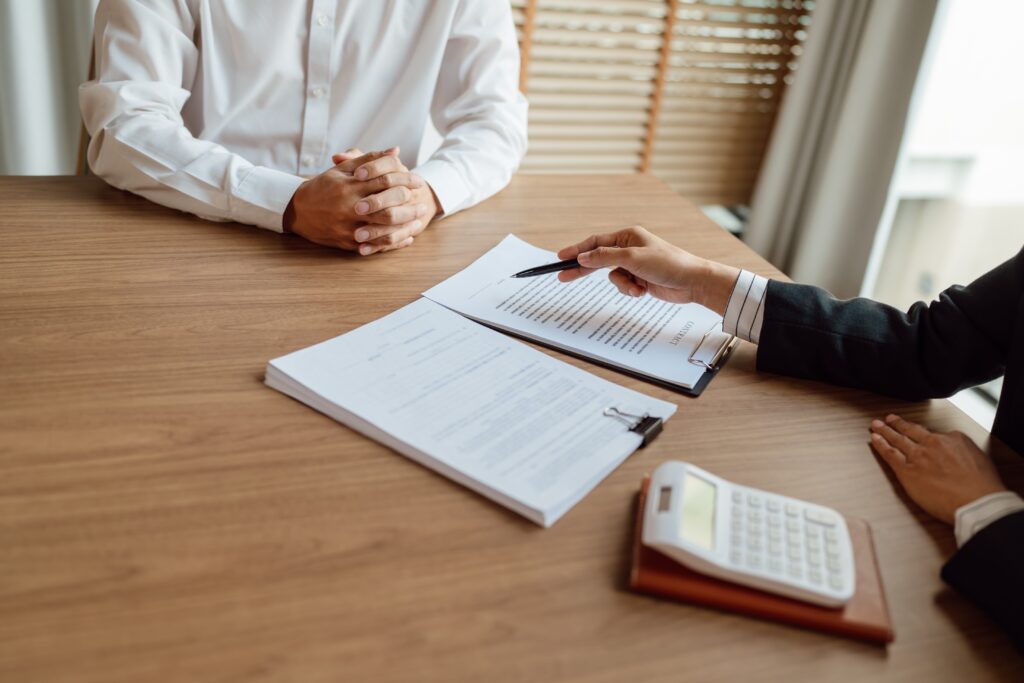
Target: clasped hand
(368,203)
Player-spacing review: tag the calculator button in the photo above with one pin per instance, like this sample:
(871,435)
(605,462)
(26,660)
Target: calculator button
(774,520)
(775,565)
(792,509)
(814,559)
(835,581)
(735,556)
(815,576)
(820,517)
(794,570)
(754,561)
(774,535)
(736,539)
(754,543)
(792,525)
(737,497)
(813,543)
(737,511)
(831,535)
(773,505)
(753,500)
(833,565)
(754,516)
(793,553)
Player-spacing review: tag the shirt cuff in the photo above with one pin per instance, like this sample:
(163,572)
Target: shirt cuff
(975,516)
(447,184)
(262,197)
(744,316)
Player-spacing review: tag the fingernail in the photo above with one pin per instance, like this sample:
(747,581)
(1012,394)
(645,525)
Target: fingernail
(416,225)
(876,437)
(362,207)
(362,235)
(876,424)
(891,418)
(362,173)
(365,249)
(584,257)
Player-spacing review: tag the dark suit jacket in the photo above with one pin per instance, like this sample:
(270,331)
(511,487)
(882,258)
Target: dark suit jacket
(970,335)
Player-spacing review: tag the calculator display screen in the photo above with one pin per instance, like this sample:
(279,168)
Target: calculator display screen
(697,523)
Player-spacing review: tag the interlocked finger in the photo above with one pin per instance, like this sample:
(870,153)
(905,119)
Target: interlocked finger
(393,238)
(397,215)
(389,180)
(395,196)
(379,167)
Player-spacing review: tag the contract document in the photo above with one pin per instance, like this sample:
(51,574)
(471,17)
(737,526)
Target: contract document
(505,420)
(675,345)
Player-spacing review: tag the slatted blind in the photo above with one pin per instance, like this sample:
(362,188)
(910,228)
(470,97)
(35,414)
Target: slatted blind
(685,89)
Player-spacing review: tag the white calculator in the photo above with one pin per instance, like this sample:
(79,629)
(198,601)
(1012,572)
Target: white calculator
(750,537)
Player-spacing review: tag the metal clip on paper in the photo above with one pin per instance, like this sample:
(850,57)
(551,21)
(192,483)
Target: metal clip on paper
(722,351)
(647,426)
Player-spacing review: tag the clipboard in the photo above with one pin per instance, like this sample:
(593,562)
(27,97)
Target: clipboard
(718,359)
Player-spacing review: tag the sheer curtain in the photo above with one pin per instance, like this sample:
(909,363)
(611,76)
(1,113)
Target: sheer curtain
(44,56)
(825,181)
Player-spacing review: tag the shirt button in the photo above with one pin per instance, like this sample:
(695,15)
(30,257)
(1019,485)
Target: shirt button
(321,20)
(318,92)
(307,159)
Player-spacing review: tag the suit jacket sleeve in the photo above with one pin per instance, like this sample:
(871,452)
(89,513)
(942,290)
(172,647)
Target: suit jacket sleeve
(962,339)
(988,570)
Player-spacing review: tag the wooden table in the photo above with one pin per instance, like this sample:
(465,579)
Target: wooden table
(164,516)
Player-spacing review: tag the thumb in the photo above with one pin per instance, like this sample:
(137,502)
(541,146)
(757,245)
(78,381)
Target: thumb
(354,158)
(607,257)
(350,153)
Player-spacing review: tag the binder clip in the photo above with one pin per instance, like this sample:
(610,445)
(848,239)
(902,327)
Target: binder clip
(722,352)
(647,426)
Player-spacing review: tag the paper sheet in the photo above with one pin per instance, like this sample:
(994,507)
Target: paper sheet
(588,316)
(490,412)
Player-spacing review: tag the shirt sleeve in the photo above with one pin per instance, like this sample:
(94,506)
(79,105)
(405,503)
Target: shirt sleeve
(744,314)
(477,108)
(146,61)
(973,517)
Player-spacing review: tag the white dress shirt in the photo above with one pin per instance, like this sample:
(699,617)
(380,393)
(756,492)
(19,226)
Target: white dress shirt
(744,317)
(222,107)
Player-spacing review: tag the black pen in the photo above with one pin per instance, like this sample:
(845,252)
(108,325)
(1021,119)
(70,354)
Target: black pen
(549,268)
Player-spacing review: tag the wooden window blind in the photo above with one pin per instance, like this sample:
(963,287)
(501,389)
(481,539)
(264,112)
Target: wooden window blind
(685,89)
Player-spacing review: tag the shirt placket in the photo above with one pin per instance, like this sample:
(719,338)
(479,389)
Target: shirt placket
(318,88)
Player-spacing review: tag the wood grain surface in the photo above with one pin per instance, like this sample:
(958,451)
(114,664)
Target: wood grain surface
(166,517)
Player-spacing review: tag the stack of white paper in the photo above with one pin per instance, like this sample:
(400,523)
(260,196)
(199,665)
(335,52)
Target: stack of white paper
(487,411)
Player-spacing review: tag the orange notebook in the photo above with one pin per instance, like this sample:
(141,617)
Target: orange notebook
(865,617)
